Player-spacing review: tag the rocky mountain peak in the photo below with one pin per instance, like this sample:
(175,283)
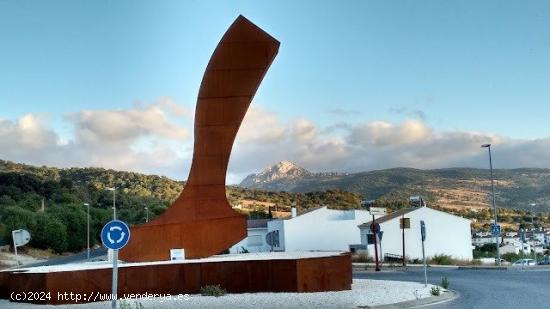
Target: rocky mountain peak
(283,171)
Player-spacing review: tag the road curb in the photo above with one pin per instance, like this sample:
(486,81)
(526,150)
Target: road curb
(483,268)
(432,300)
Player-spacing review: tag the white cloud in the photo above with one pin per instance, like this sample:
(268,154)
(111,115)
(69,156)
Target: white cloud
(141,138)
(116,126)
(304,130)
(146,138)
(380,133)
(260,127)
(380,144)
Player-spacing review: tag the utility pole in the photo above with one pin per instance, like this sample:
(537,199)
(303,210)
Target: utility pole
(403,236)
(88,230)
(114,201)
(497,236)
(375,228)
(533,233)
(423,237)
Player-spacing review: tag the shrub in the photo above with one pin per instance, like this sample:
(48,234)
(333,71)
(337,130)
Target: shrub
(510,257)
(435,291)
(126,305)
(213,290)
(360,258)
(445,283)
(49,232)
(74,219)
(442,259)
(416,261)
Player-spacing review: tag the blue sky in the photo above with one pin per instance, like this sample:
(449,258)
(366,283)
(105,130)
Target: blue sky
(462,66)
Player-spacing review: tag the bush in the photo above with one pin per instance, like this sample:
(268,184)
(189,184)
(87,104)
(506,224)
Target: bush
(74,219)
(126,305)
(213,290)
(49,232)
(442,259)
(510,257)
(435,291)
(360,258)
(445,283)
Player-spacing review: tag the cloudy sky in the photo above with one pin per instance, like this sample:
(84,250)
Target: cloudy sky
(357,85)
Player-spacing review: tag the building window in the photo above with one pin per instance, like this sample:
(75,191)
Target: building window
(254,241)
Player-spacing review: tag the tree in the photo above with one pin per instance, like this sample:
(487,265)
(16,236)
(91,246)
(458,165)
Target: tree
(49,232)
(74,219)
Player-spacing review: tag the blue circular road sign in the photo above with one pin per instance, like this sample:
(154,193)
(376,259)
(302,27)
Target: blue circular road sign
(115,234)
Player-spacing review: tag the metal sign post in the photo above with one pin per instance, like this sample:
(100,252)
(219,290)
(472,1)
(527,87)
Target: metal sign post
(115,235)
(380,234)
(375,228)
(20,238)
(405,223)
(379,211)
(423,236)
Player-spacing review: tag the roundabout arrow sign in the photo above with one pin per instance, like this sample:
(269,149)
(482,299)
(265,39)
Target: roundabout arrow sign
(115,234)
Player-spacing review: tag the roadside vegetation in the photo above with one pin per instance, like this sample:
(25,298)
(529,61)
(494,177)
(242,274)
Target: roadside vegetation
(489,251)
(61,225)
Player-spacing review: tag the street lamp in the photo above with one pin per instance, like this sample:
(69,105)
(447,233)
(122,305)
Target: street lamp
(533,232)
(88,231)
(488,146)
(114,201)
(146,214)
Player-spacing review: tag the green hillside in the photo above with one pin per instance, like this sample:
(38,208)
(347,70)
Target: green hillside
(448,188)
(62,225)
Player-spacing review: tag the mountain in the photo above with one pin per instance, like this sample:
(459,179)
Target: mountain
(452,188)
(277,177)
(60,225)
(49,202)
(283,176)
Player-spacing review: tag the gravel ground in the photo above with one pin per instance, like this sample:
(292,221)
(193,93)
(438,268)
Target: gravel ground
(7,259)
(215,258)
(365,292)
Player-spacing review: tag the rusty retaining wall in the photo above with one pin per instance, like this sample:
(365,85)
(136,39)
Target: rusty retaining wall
(318,274)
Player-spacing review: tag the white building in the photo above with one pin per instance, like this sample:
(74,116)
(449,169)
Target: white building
(509,248)
(480,241)
(256,239)
(516,241)
(321,229)
(445,234)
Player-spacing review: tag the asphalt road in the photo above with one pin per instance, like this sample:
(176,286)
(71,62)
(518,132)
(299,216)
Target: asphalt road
(481,288)
(75,258)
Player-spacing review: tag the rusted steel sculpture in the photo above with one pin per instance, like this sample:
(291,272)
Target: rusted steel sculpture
(201,221)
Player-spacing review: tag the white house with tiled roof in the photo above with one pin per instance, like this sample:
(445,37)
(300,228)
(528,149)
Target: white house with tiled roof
(446,234)
(319,229)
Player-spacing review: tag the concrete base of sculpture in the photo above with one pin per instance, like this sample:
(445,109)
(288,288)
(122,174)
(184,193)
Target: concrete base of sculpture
(242,273)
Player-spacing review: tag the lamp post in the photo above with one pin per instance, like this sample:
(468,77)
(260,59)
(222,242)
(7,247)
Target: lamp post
(114,201)
(88,230)
(146,214)
(375,229)
(534,239)
(488,146)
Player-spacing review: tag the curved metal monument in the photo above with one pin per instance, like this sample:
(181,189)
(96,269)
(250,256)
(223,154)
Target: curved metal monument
(201,221)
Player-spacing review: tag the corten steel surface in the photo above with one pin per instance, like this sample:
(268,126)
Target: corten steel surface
(201,221)
(319,274)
